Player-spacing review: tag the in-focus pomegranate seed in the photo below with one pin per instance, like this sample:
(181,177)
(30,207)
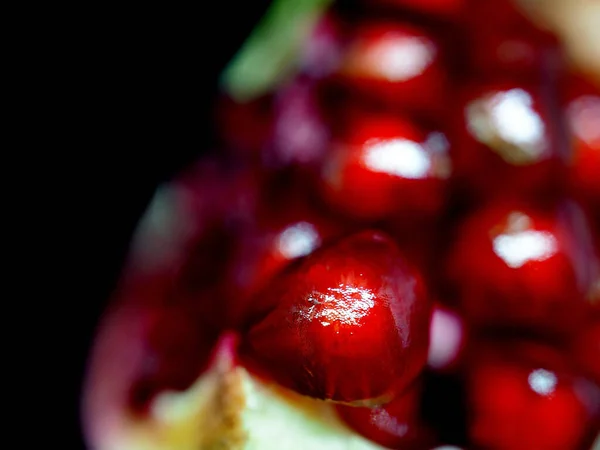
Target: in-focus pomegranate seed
(348,323)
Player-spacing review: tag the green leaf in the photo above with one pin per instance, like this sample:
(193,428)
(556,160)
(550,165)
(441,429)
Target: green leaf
(270,55)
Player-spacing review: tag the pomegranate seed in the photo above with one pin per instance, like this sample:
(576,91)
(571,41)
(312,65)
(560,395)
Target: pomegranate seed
(348,323)
(527,398)
(395,425)
(516,265)
(386,165)
(507,142)
(397,64)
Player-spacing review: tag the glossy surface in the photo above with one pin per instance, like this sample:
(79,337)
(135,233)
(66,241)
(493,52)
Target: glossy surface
(397,64)
(385,165)
(514,265)
(505,141)
(395,425)
(528,399)
(349,323)
(287,227)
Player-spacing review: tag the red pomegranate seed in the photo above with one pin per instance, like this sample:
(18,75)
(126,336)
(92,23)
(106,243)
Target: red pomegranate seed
(516,265)
(386,165)
(506,140)
(395,425)
(526,397)
(348,323)
(398,64)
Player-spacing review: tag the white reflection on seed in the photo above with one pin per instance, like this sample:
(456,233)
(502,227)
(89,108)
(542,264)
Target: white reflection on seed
(509,117)
(345,305)
(298,240)
(399,157)
(518,248)
(542,381)
(399,58)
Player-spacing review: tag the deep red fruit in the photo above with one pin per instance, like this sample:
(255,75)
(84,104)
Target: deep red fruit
(504,41)
(398,64)
(395,425)
(349,323)
(386,164)
(583,118)
(514,265)
(507,141)
(526,397)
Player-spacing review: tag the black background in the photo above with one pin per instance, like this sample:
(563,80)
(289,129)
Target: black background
(126,92)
